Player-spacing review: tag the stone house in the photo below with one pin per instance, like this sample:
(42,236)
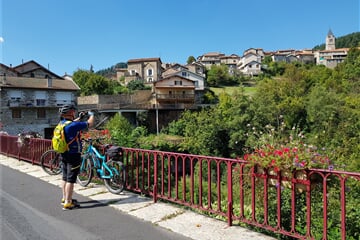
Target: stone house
(197,68)
(305,57)
(331,58)
(211,58)
(257,51)
(147,69)
(252,68)
(231,61)
(174,92)
(249,57)
(30,98)
(183,71)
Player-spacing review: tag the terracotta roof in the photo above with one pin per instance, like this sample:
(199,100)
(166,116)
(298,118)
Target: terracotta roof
(38,83)
(30,66)
(172,76)
(170,71)
(213,54)
(336,50)
(229,56)
(144,60)
(9,69)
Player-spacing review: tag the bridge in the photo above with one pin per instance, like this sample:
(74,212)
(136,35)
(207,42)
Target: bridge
(300,204)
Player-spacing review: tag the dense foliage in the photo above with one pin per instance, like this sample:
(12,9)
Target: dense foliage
(91,83)
(111,71)
(323,103)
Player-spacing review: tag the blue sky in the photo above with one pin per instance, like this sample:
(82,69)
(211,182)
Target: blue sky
(67,35)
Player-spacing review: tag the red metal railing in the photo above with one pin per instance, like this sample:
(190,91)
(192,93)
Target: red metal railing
(303,204)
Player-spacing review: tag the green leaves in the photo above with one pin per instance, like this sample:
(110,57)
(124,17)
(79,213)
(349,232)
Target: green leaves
(91,83)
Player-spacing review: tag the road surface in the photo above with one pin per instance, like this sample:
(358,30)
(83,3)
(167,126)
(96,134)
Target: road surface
(30,209)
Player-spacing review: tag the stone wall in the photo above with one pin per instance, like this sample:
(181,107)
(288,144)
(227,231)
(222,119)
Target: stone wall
(29,120)
(139,96)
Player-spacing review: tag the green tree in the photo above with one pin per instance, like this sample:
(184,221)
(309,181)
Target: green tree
(137,85)
(190,60)
(91,83)
(218,75)
(234,115)
(121,130)
(276,68)
(350,68)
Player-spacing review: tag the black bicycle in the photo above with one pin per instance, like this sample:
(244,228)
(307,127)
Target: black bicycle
(51,162)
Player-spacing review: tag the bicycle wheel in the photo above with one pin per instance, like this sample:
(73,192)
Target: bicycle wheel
(50,162)
(86,173)
(116,184)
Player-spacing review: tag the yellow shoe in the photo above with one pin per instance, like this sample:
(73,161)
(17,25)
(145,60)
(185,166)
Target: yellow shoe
(72,205)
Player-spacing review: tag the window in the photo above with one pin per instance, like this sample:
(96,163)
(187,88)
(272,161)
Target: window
(150,79)
(63,98)
(16,113)
(183,74)
(178,83)
(150,72)
(41,113)
(15,94)
(40,102)
(40,97)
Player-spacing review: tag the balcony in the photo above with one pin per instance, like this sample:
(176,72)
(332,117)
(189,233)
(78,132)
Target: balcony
(37,103)
(175,98)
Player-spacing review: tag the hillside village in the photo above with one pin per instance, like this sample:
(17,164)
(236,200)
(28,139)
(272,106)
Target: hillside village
(31,94)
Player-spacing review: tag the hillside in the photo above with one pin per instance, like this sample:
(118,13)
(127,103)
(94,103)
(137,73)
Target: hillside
(347,41)
(111,71)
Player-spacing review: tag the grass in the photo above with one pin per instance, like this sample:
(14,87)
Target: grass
(249,90)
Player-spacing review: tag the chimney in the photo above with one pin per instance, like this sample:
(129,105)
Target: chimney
(49,82)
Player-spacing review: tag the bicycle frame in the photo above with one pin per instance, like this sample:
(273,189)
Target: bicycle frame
(98,161)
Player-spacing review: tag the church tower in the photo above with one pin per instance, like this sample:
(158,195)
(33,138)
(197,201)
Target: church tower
(330,41)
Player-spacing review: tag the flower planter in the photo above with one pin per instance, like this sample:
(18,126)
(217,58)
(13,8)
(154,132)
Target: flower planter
(287,176)
(314,181)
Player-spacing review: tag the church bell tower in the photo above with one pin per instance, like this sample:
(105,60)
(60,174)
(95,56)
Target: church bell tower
(330,41)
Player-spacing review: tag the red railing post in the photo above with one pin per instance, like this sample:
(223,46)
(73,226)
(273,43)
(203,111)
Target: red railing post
(230,193)
(155,179)
(308,207)
(325,208)
(343,208)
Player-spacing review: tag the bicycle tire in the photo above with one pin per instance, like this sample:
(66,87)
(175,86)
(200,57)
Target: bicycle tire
(50,162)
(117,183)
(86,172)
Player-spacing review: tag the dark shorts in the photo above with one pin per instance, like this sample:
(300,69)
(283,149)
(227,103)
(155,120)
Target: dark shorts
(71,166)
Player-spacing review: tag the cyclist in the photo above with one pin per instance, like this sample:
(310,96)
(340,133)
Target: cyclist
(72,158)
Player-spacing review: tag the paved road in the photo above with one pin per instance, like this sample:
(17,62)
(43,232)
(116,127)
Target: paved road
(136,215)
(30,209)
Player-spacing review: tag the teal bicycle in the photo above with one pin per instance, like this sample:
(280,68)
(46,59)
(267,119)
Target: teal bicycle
(107,166)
